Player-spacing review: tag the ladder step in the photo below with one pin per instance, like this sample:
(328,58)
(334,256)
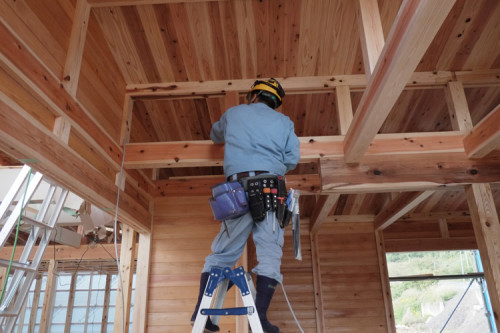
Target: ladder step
(246,310)
(35,223)
(17,265)
(8,314)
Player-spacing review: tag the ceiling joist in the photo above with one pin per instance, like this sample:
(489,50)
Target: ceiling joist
(310,84)
(414,29)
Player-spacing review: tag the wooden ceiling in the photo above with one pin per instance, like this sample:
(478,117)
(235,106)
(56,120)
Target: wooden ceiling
(163,62)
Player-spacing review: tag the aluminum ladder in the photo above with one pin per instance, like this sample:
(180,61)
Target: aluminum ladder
(23,270)
(220,278)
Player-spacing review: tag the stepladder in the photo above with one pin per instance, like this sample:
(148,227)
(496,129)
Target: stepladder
(218,281)
(40,223)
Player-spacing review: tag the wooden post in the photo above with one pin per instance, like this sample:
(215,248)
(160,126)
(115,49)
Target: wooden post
(48,300)
(487,231)
(318,294)
(123,296)
(105,309)
(71,303)
(458,107)
(371,33)
(142,277)
(34,305)
(384,279)
(344,108)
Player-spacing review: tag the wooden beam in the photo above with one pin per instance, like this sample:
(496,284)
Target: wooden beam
(200,186)
(74,57)
(405,202)
(414,29)
(27,140)
(124,289)
(485,136)
(458,107)
(308,84)
(139,320)
(317,284)
(67,253)
(321,210)
(344,108)
(126,126)
(48,299)
(410,173)
(206,153)
(384,280)
(487,231)
(371,33)
(430,244)
(116,3)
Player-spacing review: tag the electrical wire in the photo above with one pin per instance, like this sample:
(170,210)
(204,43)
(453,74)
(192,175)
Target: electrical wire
(115,238)
(16,238)
(290,306)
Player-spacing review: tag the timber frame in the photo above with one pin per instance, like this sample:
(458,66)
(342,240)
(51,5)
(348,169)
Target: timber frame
(69,120)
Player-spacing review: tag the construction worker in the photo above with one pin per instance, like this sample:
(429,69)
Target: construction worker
(258,141)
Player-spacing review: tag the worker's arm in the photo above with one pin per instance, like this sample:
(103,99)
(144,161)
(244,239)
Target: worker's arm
(292,149)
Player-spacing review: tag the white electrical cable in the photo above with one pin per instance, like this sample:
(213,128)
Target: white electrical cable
(115,238)
(290,306)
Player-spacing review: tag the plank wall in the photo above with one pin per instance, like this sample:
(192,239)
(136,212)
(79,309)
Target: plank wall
(182,234)
(350,278)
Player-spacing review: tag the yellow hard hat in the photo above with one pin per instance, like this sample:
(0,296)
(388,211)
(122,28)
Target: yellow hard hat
(271,86)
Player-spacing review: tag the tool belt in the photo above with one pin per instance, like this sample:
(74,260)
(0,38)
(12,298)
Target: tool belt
(268,193)
(263,193)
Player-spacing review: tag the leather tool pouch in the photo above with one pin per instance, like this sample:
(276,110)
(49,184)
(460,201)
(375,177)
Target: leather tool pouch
(256,200)
(228,200)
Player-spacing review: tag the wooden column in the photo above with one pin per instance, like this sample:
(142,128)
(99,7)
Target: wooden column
(105,310)
(318,293)
(487,231)
(48,300)
(139,320)
(123,296)
(384,278)
(344,108)
(458,107)
(34,305)
(71,303)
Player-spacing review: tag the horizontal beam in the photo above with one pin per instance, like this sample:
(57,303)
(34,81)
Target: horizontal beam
(430,244)
(116,3)
(205,153)
(200,186)
(407,172)
(309,84)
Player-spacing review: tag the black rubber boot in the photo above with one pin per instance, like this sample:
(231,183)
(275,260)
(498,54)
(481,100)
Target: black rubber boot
(209,326)
(265,291)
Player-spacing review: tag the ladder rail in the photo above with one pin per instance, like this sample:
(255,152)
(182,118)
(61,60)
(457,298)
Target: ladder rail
(239,278)
(14,190)
(12,219)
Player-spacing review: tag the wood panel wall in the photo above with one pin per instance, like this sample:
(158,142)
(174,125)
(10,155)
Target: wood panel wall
(350,278)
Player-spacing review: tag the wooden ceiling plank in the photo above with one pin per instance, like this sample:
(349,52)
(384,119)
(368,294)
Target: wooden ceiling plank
(155,40)
(321,210)
(28,141)
(74,57)
(485,136)
(417,171)
(344,108)
(121,44)
(405,202)
(458,107)
(487,231)
(205,153)
(415,27)
(371,33)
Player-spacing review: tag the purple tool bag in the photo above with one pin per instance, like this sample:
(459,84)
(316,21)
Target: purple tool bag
(228,200)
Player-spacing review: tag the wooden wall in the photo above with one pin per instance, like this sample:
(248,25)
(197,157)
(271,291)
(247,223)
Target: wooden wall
(352,294)
(350,278)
